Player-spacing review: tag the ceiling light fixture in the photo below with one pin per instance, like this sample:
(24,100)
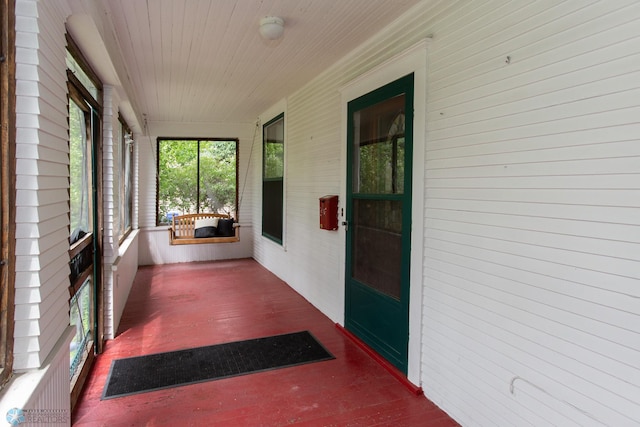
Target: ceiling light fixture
(271,27)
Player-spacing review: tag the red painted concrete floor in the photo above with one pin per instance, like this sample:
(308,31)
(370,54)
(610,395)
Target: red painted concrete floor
(179,306)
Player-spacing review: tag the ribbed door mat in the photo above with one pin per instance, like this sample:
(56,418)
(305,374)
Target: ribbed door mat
(163,370)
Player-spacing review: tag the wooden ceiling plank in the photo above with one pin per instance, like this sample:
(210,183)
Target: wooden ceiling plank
(203,60)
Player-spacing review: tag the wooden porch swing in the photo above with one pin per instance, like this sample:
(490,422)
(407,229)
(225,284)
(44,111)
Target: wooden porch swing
(183,229)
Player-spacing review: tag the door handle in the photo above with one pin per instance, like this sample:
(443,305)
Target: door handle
(345,224)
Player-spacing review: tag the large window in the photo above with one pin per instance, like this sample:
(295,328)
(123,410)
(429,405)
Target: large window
(273,178)
(123,181)
(85,215)
(196,175)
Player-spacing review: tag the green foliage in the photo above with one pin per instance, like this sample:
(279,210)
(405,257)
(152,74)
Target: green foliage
(274,159)
(178,162)
(381,167)
(178,176)
(79,158)
(80,316)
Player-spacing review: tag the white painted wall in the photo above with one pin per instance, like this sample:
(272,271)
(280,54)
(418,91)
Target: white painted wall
(42,332)
(530,312)
(123,271)
(531,304)
(120,258)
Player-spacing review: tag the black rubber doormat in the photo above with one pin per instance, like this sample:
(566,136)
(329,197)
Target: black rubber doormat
(164,370)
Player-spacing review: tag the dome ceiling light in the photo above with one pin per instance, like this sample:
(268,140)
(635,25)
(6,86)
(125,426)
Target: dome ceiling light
(271,27)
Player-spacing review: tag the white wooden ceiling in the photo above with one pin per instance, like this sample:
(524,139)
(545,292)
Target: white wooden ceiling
(204,60)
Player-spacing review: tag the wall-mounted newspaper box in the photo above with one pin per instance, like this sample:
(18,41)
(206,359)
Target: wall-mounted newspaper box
(329,212)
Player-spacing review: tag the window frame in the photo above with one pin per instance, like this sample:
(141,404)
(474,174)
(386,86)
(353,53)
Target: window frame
(78,92)
(7,188)
(270,215)
(235,213)
(126,150)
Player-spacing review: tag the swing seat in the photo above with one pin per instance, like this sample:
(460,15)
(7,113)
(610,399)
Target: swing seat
(183,229)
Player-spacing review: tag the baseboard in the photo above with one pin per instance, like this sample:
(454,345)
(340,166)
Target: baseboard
(382,361)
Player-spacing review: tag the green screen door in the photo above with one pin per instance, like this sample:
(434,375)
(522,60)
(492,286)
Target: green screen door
(379,137)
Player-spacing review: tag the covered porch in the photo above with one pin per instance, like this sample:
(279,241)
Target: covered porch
(505,199)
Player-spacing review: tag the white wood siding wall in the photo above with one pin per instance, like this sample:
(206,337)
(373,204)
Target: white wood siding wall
(531,313)
(120,259)
(147,181)
(42,261)
(532,173)
(42,332)
(311,259)
(110,243)
(42,309)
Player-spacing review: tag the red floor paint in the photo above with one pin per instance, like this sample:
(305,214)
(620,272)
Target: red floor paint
(179,306)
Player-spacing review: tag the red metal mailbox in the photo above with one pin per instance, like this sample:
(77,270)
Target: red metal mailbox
(329,212)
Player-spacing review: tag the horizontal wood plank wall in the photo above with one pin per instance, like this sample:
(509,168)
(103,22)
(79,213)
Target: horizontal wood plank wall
(42,221)
(531,242)
(120,259)
(532,172)
(147,164)
(111,165)
(310,258)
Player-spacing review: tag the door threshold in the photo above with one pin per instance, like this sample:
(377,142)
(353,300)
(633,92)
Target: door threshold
(414,389)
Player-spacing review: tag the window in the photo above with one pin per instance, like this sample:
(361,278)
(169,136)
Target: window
(85,214)
(272,178)
(7,188)
(196,175)
(123,181)
(80,157)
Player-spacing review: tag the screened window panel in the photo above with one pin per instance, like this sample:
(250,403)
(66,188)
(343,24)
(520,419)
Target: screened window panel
(379,138)
(273,179)
(377,248)
(196,176)
(81,318)
(79,173)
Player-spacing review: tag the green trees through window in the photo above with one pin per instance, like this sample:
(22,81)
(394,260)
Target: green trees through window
(273,179)
(79,173)
(85,194)
(196,175)
(123,181)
